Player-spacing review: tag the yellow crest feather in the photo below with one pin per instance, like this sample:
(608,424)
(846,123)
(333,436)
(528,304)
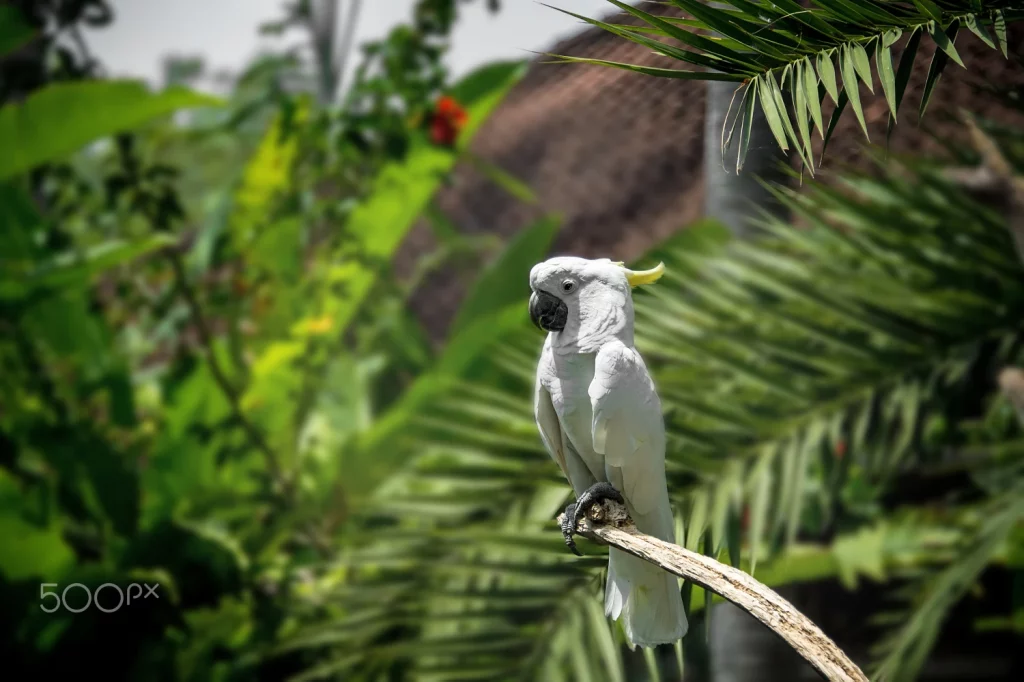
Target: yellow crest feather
(640,277)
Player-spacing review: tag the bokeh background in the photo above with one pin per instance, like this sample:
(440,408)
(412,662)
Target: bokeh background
(264,340)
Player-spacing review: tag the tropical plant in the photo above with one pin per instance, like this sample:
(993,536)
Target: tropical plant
(181,372)
(787,56)
(794,409)
(221,390)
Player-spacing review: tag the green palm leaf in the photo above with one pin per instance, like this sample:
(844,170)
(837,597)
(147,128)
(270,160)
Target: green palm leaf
(758,43)
(790,369)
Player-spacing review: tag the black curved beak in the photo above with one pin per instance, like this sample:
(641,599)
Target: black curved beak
(548,312)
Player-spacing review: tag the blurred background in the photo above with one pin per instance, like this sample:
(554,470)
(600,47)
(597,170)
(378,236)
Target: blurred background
(266,367)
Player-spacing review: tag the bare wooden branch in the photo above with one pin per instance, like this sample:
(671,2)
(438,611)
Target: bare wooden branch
(1011,383)
(994,182)
(232,394)
(609,523)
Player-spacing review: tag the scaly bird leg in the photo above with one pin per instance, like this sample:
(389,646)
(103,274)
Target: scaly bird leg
(578,509)
(569,527)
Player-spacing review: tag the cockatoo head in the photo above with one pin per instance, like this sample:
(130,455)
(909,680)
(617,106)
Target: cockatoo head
(585,301)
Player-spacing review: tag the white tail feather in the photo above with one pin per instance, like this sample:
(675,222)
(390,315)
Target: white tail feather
(646,597)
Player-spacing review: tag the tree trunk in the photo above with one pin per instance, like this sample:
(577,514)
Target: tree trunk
(740,649)
(323,26)
(734,198)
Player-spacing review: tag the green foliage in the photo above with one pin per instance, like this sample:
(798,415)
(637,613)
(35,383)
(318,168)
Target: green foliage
(792,410)
(68,271)
(401,190)
(787,56)
(502,284)
(210,378)
(198,319)
(14,32)
(61,118)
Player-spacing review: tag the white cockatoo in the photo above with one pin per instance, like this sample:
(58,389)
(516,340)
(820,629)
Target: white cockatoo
(600,418)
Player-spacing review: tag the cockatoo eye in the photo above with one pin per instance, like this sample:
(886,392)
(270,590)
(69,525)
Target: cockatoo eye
(568,286)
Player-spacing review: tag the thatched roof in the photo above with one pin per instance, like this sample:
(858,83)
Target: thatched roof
(620,155)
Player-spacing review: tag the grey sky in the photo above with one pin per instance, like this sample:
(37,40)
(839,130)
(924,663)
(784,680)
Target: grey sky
(225,31)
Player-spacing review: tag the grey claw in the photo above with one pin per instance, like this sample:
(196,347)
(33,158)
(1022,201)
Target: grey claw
(578,509)
(569,527)
(595,493)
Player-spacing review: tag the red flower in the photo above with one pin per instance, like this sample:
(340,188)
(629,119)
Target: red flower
(442,132)
(448,119)
(840,449)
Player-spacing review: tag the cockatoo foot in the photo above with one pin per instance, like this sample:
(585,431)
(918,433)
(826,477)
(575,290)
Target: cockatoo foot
(569,527)
(577,510)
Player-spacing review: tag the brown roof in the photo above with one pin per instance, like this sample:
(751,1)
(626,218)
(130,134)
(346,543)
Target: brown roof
(620,155)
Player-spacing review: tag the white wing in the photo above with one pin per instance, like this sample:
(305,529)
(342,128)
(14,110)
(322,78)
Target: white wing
(628,428)
(547,423)
(555,439)
(547,418)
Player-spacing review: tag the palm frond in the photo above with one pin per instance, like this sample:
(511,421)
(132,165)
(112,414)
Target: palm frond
(766,367)
(842,353)
(787,56)
(904,652)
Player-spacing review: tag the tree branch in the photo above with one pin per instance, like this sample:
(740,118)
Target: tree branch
(227,388)
(345,48)
(608,522)
(1011,383)
(994,181)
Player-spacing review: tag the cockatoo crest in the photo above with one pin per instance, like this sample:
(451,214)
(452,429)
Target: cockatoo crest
(587,302)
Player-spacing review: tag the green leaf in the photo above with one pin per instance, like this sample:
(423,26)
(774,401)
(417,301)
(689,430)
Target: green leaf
(610,654)
(106,480)
(794,10)
(938,64)
(656,46)
(653,673)
(19,246)
(945,39)
(759,503)
(482,90)
(800,110)
(999,25)
(507,279)
(827,72)
(851,12)
(63,117)
(512,185)
(403,189)
(696,521)
(907,648)
(883,62)
(749,112)
(771,111)
(14,31)
(929,9)
(29,550)
(691,38)
(68,271)
(979,30)
(721,22)
(861,65)
(459,355)
(736,118)
(851,87)
(811,95)
(682,74)
(906,67)
(891,37)
(836,114)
